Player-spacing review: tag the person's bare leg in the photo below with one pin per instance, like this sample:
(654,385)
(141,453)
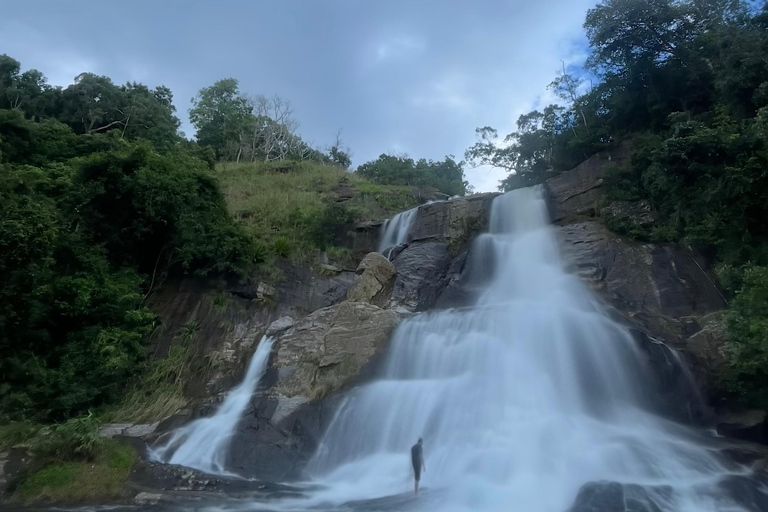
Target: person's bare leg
(416,487)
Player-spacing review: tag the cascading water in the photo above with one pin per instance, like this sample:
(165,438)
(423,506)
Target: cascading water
(203,444)
(521,398)
(396,230)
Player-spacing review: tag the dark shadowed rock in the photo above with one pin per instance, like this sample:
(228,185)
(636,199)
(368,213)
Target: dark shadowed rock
(749,491)
(638,214)
(422,274)
(365,236)
(749,425)
(616,497)
(575,193)
(660,288)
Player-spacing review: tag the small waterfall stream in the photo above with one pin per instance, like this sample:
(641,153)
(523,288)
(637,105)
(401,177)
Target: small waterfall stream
(395,230)
(204,443)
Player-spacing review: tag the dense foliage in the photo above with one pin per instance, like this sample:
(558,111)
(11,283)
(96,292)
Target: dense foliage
(91,217)
(447,175)
(686,81)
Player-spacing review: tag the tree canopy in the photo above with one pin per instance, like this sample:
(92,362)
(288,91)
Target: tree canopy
(446,175)
(99,200)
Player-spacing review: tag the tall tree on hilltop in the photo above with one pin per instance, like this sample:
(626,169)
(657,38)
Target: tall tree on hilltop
(220,116)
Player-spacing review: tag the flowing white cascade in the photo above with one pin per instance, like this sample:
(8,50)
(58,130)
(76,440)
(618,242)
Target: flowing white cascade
(521,398)
(204,443)
(396,229)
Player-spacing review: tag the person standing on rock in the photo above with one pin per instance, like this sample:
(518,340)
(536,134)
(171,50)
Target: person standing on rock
(417,459)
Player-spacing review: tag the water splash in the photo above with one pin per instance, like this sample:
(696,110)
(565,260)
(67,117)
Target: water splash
(204,443)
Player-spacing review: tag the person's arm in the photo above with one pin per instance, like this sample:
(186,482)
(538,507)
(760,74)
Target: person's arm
(423,466)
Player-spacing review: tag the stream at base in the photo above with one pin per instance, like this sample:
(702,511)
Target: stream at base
(522,398)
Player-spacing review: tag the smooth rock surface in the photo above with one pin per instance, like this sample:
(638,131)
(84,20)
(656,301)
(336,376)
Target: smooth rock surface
(328,348)
(660,288)
(422,275)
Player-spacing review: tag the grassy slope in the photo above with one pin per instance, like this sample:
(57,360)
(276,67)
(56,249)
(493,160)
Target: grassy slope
(279,196)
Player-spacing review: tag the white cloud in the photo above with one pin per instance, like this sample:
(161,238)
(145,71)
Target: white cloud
(448,92)
(398,47)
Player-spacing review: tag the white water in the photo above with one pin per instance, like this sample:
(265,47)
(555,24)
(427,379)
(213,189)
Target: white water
(204,443)
(521,399)
(396,230)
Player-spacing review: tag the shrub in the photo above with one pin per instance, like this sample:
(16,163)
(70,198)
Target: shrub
(747,322)
(76,439)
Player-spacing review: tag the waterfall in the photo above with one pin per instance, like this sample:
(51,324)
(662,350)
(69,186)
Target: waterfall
(203,444)
(522,398)
(396,229)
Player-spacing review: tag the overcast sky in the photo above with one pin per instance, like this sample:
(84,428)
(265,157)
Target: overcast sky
(413,76)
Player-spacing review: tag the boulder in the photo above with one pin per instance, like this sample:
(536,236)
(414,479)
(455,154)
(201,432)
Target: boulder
(280,325)
(327,349)
(422,275)
(372,280)
(751,425)
(616,497)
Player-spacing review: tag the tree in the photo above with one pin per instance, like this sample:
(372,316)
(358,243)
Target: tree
(447,175)
(532,152)
(339,154)
(221,116)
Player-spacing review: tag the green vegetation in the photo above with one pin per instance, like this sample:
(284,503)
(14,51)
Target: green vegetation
(294,207)
(100,478)
(446,176)
(72,463)
(687,82)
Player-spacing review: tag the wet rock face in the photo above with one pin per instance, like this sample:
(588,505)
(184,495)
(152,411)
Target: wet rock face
(638,214)
(616,497)
(229,318)
(750,425)
(661,288)
(422,275)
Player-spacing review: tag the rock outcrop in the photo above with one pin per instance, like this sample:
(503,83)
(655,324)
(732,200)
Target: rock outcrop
(575,194)
(374,275)
(327,349)
(660,288)
(452,222)
(667,292)
(616,497)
